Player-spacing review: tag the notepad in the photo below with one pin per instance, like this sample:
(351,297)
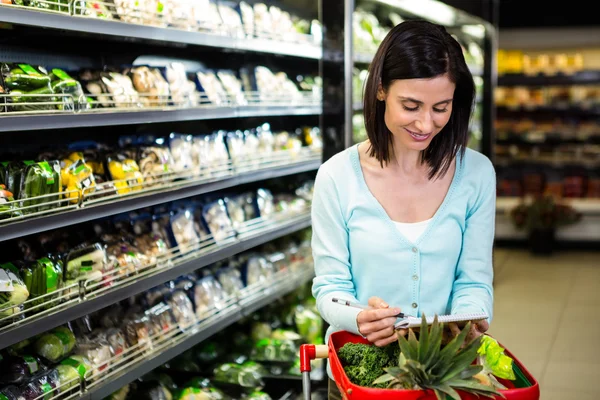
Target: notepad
(460,319)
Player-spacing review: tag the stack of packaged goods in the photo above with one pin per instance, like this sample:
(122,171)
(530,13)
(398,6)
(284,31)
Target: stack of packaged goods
(57,361)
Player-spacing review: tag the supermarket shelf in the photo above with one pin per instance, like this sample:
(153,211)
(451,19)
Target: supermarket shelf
(553,111)
(584,206)
(79,120)
(118,29)
(555,162)
(187,340)
(89,212)
(580,78)
(75,309)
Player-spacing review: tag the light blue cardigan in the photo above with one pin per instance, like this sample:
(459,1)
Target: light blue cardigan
(359,252)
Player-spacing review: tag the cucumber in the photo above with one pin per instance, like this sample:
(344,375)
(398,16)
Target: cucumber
(26,82)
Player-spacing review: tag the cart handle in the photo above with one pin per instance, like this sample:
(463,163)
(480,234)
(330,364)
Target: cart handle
(309,352)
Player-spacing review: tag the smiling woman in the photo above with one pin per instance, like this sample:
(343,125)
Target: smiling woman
(405,221)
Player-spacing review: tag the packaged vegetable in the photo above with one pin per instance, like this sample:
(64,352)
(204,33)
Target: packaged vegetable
(217,220)
(154,162)
(208,296)
(41,387)
(40,179)
(13,291)
(275,350)
(235,146)
(491,356)
(77,177)
(233,86)
(183,91)
(260,330)
(263,25)
(258,270)
(230,279)
(212,87)
(150,84)
(264,200)
(14,370)
(259,396)
(126,172)
(238,375)
(309,324)
(85,262)
(82,365)
(121,89)
(8,207)
(63,83)
(27,86)
(56,344)
(183,309)
(42,277)
(181,149)
(116,340)
(123,259)
(96,349)
(161,319)
(150,243)
(186,236)
(68,377)
(240,209)
(211,154)
(11,393)
(247,13)
(231,18)
(137,331)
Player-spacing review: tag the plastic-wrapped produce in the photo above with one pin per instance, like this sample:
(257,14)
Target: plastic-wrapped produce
(11,393)
(121,89)
(56,344)
(64,84)
(41,387)
(116,340)
(258,270)
(151,243)
(231,18)
(7,210)
(154,162)
(42,277)
(231,280)
(27,80)
(14,370)
(182,226)
(68,377)
(217,220)
(181,148)
(236,147)
(161,318)
(137,330)
(96,349)
(126,172)
(266,205)
(86,262)
(212,87)
(77,177)
(182,308)
(183,91)
(275,350)
(123,259)
(211,153)
(247,377)
(82,365)
(208,295)
(263,25)
(233,86)
(13,291)
(40,179)
(247,13)
(151,85)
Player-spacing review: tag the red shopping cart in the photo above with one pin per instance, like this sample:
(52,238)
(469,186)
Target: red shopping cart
(525,387)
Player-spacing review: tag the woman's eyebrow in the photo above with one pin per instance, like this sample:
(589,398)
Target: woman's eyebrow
(420,102)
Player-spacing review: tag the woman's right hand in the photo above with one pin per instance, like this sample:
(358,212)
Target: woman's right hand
(377,323)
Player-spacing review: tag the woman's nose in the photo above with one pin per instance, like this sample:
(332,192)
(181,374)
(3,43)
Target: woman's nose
(425,123)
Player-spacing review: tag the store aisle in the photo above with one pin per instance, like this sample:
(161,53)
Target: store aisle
(547,312)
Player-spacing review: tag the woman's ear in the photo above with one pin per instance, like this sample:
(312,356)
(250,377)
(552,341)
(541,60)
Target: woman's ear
(380,93)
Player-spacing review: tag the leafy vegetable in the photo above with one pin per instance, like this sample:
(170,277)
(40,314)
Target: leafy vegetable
(365,363)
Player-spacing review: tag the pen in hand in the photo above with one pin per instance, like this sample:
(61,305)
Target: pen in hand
(362,307)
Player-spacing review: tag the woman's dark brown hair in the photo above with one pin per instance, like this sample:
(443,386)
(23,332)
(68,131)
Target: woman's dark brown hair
(420,49)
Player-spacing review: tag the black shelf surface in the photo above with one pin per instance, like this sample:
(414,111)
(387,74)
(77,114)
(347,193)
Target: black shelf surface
(550,111)
(118,29)
(579,78)
(9,123)
(39,325)
(157,360)
(72,217)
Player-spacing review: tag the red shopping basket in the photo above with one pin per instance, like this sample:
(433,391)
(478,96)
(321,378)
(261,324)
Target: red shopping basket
(525,387)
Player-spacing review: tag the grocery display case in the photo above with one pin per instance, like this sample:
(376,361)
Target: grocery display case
(371,21)
(547,136)
(145,143)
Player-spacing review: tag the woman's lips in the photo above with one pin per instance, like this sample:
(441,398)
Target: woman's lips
(419,137)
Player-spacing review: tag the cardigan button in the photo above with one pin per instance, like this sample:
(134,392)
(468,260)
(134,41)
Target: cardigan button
(414,305)
(414,249)
(415,277)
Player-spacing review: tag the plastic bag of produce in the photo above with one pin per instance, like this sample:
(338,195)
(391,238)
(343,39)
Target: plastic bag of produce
(96,349)
(258,270)
(10,393)
(123,259)
(241,209)
(56,344)
(13,291)
(156,164)
(208,296)
(275,350)
(236,148)
(231,18)
(181,148)
(183,91)
(247,377)
(182,308)
(125,172)
(212,87)
(230,279)
(137,331)
(233,86)
(121,89)
(186,236)
(210,152)
(217,221)
(41,387)
(86,262)
(263,26)
(309,324)
(82,365)
(63,83)
(68,377)
(152,244)
(42,277)
(265,202)
(161,319)
(15,370)
(151,86)
(37,180)
(27,86)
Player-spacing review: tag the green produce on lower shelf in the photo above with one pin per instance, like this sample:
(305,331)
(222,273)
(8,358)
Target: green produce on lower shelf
(40,179)
(28,85)
(68,377)
(244,376)
(13,291)
(275,350)
(56,344)
(42,277)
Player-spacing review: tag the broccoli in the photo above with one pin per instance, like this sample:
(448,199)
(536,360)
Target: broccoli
(364,363)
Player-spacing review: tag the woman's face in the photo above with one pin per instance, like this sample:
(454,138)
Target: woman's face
(417,109)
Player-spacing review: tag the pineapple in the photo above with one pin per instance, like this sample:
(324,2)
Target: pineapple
(424,364)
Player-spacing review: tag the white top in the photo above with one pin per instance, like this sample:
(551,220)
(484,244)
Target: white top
(412,231)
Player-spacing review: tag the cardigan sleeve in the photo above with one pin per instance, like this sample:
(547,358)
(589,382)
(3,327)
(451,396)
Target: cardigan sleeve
(333,275)
(472,290)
